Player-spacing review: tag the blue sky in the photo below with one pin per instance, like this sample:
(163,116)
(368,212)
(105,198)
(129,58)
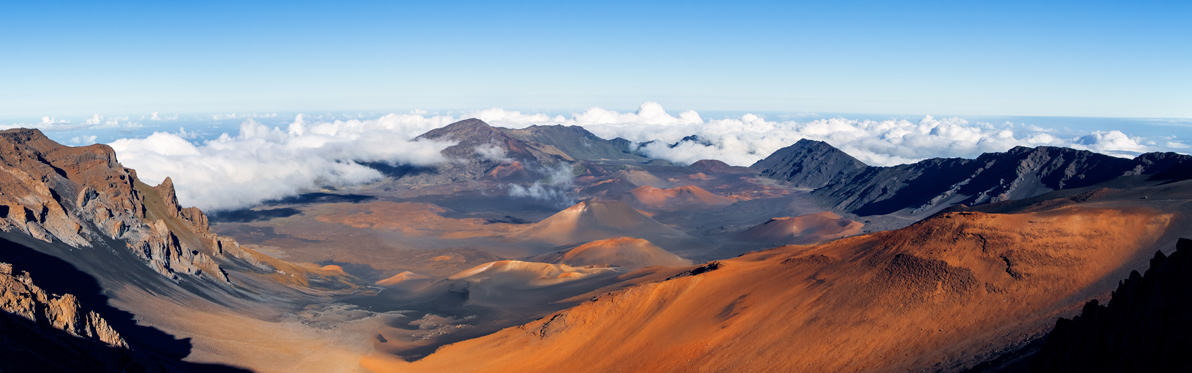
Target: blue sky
(1084,59)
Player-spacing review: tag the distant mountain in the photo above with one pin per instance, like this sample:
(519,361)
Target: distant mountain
(576,142)
(809,164)
(480,149)
(473,133)
(512,155)
(926,187)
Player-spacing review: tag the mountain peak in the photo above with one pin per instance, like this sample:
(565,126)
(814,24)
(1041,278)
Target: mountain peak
(22,133)
(460,130)
(809,163)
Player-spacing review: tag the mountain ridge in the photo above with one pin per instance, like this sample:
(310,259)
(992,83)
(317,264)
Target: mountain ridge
(930,185)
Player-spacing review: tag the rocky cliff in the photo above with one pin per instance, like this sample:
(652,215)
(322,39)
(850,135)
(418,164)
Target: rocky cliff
(20,297)
(82,195)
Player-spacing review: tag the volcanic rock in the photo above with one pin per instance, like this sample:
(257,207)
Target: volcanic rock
(809,164)
(21,297)
(83,195)
(929,186)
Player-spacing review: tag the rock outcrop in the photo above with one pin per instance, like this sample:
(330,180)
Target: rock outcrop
(82,195)
(21,297)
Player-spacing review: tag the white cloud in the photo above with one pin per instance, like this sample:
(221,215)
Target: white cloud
(512,119)
(242,116)
(156,116)
(83,140)
(49,121)
(493,153)
(1111,142)
(96,121)
(262,163)
(556,188)
(744,140)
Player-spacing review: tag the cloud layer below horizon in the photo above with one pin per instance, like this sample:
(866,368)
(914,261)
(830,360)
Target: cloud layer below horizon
(261,162)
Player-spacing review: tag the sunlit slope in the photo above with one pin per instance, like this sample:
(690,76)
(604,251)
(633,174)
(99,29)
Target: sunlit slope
(626,252)
(940,294)
(594,220)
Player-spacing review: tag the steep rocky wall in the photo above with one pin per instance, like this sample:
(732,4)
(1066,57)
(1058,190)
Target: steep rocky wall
(81,195)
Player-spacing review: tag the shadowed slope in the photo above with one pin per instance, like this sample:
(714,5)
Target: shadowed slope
(1144,328)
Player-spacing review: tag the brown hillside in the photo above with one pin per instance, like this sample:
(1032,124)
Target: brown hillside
(937,295)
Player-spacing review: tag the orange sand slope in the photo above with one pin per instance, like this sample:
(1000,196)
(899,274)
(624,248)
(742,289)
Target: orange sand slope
(528,273)
(943,293)
(626,252)
(803,229)
(593,220)
(676,198)
(403,277)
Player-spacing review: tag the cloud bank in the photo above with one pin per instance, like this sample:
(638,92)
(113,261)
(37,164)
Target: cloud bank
(555,188)
(262,162)
(743,140)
